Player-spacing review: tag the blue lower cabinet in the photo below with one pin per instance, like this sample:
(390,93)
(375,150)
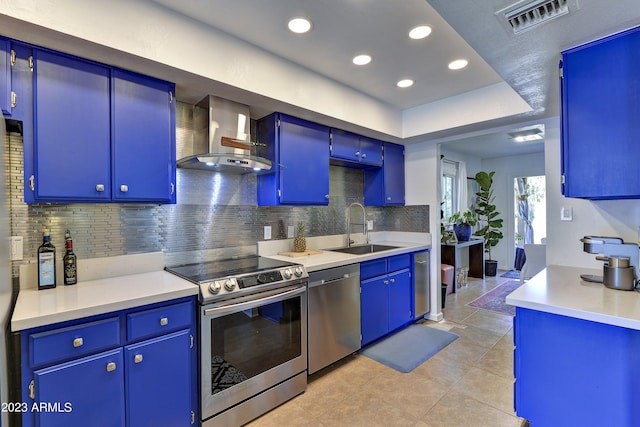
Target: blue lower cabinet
(374,300)
(386,300)
(155,369)
(85,392)
(133,382)
(574,372)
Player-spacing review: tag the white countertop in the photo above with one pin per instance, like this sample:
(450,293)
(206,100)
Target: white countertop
(405,242)
(559,290)
(43,307)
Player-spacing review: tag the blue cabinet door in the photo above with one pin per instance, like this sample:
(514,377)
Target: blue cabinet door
(370,151)
(400,312)
(72,129)
(601,118)
(385,186)
(345,145)
(158,381)
(374,300)
(304,154)
(82,393)
(5,76)
(143,139)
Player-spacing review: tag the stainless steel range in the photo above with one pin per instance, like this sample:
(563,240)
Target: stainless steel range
(253,336)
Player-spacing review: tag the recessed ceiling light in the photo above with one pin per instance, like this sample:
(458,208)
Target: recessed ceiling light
(299,25)
(362,59)
(420,32)
(458,64)
(405,83)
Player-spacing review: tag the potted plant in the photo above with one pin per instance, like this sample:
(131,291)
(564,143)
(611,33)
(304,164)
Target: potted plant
(490,224)
(462,223)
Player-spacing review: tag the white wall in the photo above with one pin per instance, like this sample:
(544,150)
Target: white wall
(422,187)
(619,218)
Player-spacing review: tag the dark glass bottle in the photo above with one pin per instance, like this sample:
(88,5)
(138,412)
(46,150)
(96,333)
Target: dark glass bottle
(46,263)
(69,262)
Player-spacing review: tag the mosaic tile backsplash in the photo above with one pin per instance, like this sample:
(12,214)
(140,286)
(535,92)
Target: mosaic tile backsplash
(214,213)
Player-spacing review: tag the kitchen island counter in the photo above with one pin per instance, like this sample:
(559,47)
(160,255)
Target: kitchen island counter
(560,290)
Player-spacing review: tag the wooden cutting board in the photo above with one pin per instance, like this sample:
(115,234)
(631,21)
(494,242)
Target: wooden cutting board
(299,254)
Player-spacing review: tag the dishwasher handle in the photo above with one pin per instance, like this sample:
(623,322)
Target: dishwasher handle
(321,282)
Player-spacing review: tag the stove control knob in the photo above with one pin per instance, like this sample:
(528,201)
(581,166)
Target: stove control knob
(214,287)
(229,284)
(286,273)
(298,271)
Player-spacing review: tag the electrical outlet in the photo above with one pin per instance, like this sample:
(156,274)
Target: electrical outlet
(16,248)
(290,232)
(370,224)
(267,232)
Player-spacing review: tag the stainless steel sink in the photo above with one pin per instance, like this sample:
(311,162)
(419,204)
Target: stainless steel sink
(364,249)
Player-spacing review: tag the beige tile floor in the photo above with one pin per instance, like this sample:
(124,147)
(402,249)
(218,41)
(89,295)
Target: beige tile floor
(468,383)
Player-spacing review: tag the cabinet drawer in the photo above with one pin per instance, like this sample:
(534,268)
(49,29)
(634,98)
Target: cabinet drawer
(376,267)
(398,262)
(159,320)
(74,341)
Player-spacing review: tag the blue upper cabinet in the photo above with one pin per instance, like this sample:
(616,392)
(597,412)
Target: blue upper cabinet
(143,139)
(354,150)
(5,76)
(385,186)
(72,158)
(100,134)
(300,152)
(600,87)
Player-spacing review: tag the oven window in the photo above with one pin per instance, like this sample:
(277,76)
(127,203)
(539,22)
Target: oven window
(248,343)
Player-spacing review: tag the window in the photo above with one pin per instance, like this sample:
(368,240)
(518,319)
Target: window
(449,188)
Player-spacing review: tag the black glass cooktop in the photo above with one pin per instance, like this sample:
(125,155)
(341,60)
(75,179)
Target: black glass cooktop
(211,270)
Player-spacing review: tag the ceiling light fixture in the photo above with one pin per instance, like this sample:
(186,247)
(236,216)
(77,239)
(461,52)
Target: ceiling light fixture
(362,59)
(405,83)
(420,32)
(299,25)
(527,135)
(458,64)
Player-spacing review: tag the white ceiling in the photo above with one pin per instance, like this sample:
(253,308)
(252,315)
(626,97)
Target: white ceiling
(470,29)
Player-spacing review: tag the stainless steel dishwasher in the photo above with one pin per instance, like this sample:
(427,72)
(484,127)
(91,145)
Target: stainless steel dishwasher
(421,283)
(334,315)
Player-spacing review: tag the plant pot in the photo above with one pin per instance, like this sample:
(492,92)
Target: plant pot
(463,232)
(490,267)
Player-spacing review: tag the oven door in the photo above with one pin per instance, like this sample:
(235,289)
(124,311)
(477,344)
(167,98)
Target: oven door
(252,345)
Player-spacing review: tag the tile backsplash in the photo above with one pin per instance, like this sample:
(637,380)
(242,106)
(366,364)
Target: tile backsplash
(214,212)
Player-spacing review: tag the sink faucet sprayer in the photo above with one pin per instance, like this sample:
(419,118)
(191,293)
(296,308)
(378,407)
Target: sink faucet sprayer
(364,223)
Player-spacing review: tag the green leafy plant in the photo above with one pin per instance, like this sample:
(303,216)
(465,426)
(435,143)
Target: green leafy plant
(466,217)
(486,212)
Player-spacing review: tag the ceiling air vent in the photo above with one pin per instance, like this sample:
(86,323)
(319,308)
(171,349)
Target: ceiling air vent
(523,16)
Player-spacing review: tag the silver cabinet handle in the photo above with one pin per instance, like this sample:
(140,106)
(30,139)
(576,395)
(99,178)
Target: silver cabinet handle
(100,187)
(164,321)
(137,358)
(124,188)
(78,342)
(326,196)
(111,366)
(357,153)
(386,282)
(364,155)
(393,280)
(389,198)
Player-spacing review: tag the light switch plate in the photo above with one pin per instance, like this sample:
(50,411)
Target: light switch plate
(566,214)
(267,232)
(16,248)
(370,224)
(290,232)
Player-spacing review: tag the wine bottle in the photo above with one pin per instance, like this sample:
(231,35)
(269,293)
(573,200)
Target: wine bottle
(46,263)
(69,262)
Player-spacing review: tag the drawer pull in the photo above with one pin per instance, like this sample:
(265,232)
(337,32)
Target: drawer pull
(78,342)
(164,321)
(111,366)
(137,358)
(99,187)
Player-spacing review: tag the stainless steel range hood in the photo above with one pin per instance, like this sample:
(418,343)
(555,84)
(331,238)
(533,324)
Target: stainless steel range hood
(221,141)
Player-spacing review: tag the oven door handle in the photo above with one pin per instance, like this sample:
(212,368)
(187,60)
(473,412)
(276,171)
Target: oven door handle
(234,308)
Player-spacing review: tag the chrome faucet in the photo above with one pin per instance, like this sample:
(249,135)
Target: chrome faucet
(364,223)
